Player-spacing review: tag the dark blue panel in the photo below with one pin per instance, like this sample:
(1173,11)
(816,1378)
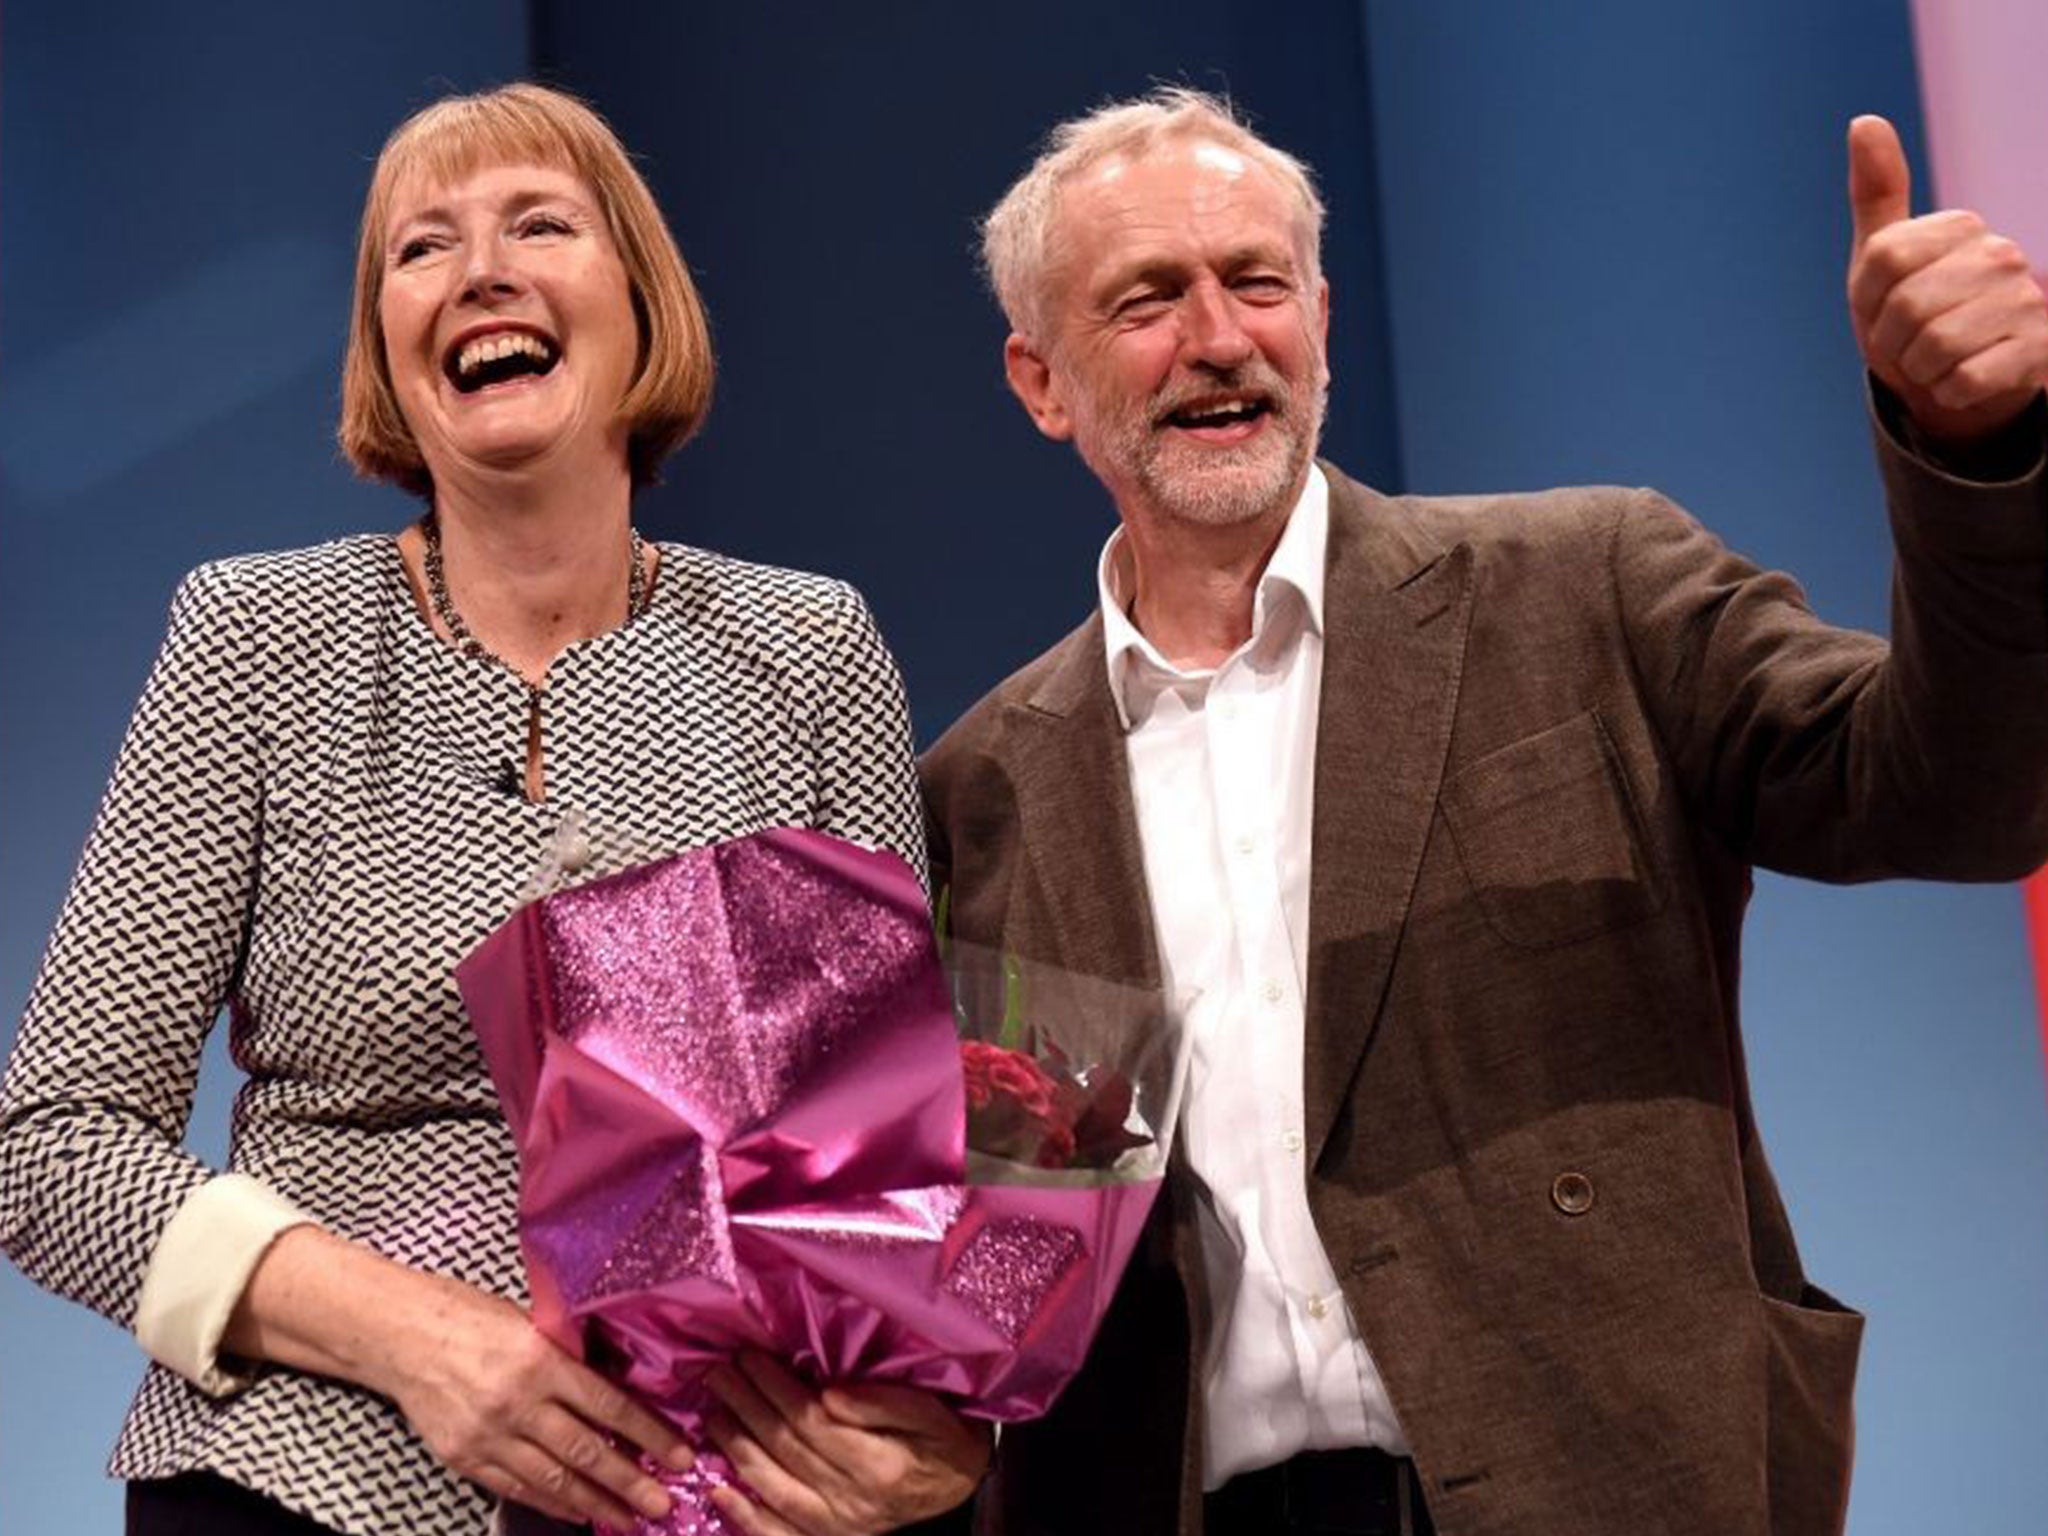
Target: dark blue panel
(178,190)
(824,168)
(1615,240)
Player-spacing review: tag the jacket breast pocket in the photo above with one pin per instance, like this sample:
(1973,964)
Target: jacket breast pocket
(1549,838)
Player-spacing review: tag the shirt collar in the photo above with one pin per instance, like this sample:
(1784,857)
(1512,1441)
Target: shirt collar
(1290,587)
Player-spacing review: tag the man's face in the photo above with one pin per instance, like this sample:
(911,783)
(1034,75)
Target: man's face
(1184,352)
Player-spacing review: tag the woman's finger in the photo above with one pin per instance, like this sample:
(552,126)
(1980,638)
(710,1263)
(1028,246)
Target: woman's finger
(790,1426)
(750,1517)
(890,1409)
(585,1451)
(605,1405)
(520,1474)
(512,1490)
(785,1497)
(801,1407)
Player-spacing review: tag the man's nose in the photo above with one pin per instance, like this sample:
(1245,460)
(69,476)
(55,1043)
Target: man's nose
(1212,332)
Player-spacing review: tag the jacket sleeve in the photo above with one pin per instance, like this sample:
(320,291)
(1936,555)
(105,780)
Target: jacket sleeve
(1824,752)
(147,946)
(867,787)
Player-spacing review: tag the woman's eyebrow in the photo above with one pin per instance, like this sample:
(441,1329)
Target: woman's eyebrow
(516,201)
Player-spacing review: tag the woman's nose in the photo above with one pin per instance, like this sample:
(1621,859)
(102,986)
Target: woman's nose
(486,273)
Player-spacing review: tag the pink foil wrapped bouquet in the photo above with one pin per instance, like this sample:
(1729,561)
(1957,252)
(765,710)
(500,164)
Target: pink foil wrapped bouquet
(745,1092)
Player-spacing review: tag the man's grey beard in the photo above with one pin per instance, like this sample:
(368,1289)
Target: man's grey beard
(1220,488)
(1242,484)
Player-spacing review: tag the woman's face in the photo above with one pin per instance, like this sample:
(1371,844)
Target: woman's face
(508,321)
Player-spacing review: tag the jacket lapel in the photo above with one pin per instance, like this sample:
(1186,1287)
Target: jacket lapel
(1080,832)
(1396,612)
(1080,829)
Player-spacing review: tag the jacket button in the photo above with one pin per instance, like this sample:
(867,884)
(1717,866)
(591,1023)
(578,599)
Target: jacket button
(1572,1193)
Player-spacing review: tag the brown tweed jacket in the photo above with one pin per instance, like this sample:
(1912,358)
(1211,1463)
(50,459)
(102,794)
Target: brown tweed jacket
(1557,731)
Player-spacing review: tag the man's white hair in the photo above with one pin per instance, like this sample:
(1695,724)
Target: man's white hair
(1017,237)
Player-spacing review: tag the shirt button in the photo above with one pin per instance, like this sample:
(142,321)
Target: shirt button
(1246,844)
(1291,1141)
(1317,1309)
(1272,991)
(1228,711)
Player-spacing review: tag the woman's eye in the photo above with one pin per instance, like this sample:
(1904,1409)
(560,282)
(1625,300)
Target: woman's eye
(543,224)
(413,249)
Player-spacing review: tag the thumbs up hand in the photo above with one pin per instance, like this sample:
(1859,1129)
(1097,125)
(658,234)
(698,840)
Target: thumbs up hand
(1947,313)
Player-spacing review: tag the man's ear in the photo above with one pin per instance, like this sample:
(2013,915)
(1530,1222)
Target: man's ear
(1031,381)
(1323,325)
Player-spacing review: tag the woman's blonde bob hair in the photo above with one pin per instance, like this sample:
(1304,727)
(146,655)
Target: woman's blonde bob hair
(530,125)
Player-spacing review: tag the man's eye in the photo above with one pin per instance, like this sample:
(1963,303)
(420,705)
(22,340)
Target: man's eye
(1140,305)
(1263,288)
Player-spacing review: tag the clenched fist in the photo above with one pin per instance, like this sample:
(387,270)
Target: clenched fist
(1947,312)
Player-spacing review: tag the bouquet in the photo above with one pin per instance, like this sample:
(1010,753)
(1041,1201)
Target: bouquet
(745,1093)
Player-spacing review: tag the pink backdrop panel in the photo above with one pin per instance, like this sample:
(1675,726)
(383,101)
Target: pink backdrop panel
(1984,80)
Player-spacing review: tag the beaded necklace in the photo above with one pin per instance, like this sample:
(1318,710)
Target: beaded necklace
(444,605)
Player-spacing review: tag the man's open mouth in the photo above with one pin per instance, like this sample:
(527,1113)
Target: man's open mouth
(1230,411)
(499,357)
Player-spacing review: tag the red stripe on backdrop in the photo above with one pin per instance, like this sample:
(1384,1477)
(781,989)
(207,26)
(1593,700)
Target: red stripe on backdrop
(1987,118)
(2037,938)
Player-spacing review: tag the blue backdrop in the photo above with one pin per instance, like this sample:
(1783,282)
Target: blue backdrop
(1597,242)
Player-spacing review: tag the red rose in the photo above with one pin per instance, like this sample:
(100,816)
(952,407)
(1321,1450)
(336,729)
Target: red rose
(1041,1112)
(1056,1149)
(1011,1107)
(1017,1075)
(974,1068)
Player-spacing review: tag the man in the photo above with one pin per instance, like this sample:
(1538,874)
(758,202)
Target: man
(1443,813)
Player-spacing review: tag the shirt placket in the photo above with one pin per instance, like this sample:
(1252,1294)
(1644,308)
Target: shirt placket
(1247,772)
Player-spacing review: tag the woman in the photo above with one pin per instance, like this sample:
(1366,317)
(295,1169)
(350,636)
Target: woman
(346,765)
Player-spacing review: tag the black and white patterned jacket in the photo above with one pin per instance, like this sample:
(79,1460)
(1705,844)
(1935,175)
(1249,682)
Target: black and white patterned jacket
(316,813)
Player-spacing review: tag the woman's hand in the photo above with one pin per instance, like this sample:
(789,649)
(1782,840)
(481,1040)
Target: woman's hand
(481,1386)
(501,1405)
(848,1461)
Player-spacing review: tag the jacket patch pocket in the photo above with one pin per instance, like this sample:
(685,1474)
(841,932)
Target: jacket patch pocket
(1812,1346)
(1547,834)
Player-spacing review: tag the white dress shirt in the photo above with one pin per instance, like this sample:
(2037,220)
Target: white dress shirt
(1222,769)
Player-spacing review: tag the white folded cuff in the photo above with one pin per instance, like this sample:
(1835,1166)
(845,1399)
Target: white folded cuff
(198,1271)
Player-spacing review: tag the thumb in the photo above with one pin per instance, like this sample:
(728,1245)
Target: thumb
(1880,185)
(885,1408)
